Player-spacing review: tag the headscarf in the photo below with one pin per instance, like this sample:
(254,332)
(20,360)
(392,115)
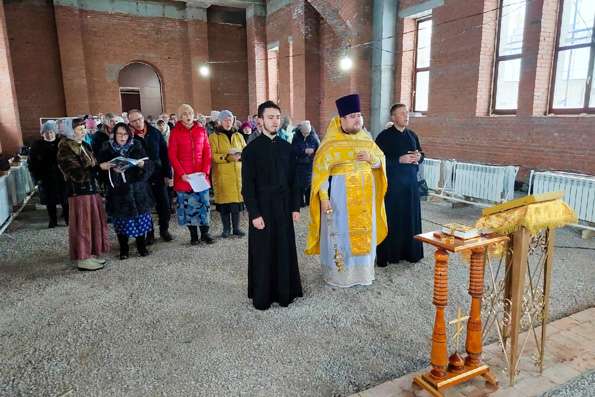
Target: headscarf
(121,149)
(224,114)
(49,126)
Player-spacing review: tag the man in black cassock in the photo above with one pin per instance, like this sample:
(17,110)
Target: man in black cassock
(271,196)
(403,156)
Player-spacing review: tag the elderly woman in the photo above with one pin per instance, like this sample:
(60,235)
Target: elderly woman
(43,166)
(226,151)
(246,130)
(87,226)
(129,199)
(285,131)
(304,146)
(190,153)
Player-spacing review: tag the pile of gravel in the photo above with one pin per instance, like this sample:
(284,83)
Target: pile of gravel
(178,322)
(581,386)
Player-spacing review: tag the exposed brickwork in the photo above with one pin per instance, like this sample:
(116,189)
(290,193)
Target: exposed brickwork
(229,81)
(36,63)
(10,134)
(458,124)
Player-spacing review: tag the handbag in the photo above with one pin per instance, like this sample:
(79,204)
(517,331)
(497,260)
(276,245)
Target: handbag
(423,188)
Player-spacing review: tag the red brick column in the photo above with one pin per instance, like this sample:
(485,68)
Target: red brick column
(257,55)
(197,33)
(530,51)
(10,127)
(72,57)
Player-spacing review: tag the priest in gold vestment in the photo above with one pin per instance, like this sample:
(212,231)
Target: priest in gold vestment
(347,214)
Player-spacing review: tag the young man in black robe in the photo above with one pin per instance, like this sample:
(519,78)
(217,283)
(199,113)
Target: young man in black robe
(403,156)
(271,196)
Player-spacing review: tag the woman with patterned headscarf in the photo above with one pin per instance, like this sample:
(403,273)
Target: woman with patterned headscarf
(128,199)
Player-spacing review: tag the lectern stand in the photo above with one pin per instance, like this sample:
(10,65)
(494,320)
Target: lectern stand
(447,372)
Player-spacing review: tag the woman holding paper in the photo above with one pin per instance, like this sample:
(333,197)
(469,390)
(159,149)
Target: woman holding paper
(190,156)
(226,151)
(128,200)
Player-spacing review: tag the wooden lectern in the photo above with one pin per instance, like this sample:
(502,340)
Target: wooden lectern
(447,372)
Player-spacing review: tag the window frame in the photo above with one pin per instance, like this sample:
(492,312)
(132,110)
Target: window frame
(498,59)
(557,49)
(417,70)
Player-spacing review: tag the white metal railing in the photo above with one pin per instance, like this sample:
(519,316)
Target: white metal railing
(431,172)
(579,190)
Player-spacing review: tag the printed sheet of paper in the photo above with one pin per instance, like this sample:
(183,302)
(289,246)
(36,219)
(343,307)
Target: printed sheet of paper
(198,182)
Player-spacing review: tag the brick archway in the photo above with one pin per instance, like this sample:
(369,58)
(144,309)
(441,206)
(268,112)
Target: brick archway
(141,86)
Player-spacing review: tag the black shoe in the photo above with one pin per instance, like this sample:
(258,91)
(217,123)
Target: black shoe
(123,241)
(225,234)
(166,236)
(235,221)
(205,236)
(193,235)
(141,246)
(52,224)
(150,240)
(382,264)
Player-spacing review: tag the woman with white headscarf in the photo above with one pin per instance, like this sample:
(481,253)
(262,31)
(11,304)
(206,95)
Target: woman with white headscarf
(43,166)
(87,227)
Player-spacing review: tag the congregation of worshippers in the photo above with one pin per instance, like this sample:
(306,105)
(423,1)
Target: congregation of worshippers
(135,172)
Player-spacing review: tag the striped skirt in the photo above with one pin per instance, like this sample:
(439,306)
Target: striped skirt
(87,227)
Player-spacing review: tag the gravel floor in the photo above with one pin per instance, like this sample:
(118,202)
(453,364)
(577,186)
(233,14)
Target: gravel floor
(581,386)
(179,323)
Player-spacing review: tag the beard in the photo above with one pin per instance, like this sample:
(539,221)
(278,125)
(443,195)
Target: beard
(274,132)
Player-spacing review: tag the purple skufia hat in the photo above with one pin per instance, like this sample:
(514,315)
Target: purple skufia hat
(348,104)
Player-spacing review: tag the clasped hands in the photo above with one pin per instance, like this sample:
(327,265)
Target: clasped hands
(410,158)
(258,223)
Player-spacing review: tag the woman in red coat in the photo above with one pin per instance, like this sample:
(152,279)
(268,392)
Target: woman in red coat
(190,153)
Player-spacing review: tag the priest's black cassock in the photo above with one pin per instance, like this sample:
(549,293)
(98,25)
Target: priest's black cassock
(270,190)
(401,200)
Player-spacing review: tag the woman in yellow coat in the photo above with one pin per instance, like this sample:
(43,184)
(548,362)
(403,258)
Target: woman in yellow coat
(226,149)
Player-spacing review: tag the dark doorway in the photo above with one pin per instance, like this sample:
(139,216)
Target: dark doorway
(130,99)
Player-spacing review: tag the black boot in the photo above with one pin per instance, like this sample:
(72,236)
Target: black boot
(165,235)
(193,234)
(141,246)
(205,236)
(235,221)
(226,222)
(53,216)
(150,237)
(123,241)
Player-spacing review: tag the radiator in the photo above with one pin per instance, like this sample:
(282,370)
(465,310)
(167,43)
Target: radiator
(579,190)
(431,172)
(484,182)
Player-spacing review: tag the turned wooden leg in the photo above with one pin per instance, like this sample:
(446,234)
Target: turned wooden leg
(439,358)
(473,341)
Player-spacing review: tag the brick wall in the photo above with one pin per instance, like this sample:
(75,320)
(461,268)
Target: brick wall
(229,80)
(36,63)
(458,124)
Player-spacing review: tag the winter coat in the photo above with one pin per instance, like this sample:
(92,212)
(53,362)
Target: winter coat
(132,196)
(43,166)
(304,161)
(156,149)
(99,139)
(189,152)
(79,167)
(227,175)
